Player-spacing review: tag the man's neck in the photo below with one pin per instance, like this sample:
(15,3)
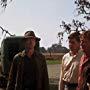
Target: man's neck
(74,52)
(30,52)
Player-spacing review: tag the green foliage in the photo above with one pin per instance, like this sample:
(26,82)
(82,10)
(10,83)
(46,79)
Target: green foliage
(56,48)
(83,7)
(43,50)
(4,3)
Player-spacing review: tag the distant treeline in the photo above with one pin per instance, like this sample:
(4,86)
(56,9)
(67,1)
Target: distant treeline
(55,48)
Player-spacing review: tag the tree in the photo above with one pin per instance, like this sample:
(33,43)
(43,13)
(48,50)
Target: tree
(75,26)
(43,50)
(4,3)
(83,7)
(6,32)
(60,36)
(56,48)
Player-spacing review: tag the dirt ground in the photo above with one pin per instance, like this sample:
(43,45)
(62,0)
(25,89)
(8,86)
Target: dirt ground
(54,70)
(54,73)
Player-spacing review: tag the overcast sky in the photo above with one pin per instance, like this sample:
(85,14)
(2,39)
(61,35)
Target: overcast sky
(42,16)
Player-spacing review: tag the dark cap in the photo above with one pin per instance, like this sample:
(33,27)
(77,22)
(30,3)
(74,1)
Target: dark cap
(30,34)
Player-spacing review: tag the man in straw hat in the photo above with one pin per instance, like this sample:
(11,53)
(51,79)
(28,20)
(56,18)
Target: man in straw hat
(28,70)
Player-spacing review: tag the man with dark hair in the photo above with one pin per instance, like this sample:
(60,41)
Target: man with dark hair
(28,70)
(70,64)
(84,69)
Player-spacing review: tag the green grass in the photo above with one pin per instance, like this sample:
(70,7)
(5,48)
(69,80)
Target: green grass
(53,61)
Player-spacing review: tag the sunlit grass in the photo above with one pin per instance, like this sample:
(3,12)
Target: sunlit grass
(53,61)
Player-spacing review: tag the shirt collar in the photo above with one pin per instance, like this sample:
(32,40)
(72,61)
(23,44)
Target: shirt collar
(75,54)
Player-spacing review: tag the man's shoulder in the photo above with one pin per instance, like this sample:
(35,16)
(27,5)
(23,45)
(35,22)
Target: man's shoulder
(66,54)
(38,54)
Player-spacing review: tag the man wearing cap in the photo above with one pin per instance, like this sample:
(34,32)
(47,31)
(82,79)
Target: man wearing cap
(28,70)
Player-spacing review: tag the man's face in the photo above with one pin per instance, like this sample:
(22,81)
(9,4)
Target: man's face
(74,45)
(30,43)
(85,45)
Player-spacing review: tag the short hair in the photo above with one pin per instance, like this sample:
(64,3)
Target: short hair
(75,35)
(86,35)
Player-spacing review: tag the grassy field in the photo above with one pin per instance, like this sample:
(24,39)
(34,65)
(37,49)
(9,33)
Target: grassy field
(53,61)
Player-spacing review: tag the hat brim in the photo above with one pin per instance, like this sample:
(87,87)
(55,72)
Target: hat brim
(27,37)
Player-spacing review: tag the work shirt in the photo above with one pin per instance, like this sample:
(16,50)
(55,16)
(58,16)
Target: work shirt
(70,66)
(29,80)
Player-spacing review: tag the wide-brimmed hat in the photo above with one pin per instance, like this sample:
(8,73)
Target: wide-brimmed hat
(31,34)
